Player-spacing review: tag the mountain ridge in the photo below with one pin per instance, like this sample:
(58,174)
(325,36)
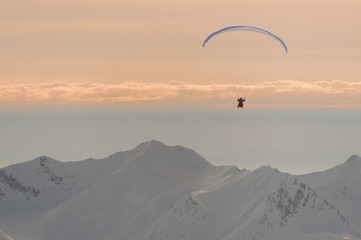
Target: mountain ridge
(155,191)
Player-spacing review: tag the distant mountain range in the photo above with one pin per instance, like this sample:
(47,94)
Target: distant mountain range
(164,192)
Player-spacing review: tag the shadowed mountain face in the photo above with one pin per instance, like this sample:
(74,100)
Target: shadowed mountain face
(170,192)
(341,186)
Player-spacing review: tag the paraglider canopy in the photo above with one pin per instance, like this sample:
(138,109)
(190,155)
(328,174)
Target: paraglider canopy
(243,53)
(245,28)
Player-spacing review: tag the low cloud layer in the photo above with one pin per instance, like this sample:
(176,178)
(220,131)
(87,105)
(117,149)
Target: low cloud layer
(285,92)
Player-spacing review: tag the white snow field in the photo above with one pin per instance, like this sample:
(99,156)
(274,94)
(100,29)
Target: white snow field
(164,192)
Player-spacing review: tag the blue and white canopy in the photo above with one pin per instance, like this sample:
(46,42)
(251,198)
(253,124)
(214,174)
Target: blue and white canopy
(245,28)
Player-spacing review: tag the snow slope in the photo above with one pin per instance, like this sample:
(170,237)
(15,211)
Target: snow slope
(341,186)
(161,192)
(263,204)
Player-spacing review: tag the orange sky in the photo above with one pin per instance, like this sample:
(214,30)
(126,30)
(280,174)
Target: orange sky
(61,52)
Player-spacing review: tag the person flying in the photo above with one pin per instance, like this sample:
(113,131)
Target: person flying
(240,102)
(244,43)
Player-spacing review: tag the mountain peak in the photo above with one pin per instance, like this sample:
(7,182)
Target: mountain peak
(354,160)
(156,155)
(266,170)
(152,143)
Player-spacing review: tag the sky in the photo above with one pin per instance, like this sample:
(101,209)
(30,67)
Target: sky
(80,64)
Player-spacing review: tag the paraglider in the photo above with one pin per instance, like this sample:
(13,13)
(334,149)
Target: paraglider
(240,101)
(245,28)
(232,49)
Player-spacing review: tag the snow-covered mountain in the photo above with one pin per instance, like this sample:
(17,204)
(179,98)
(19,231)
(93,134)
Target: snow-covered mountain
(163,192)
(341,186)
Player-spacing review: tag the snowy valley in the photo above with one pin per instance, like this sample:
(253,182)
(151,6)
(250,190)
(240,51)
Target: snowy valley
(155,191)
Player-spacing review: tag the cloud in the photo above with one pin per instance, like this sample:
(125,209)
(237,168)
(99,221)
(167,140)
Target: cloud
(65,93)
(324,87)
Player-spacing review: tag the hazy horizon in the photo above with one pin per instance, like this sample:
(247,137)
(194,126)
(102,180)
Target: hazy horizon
(292,140)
